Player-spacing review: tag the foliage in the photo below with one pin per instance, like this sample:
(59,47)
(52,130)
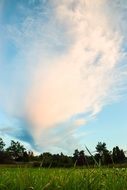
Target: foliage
(79,158)
(16,152)
(2,145)
(118,155)
(104,156)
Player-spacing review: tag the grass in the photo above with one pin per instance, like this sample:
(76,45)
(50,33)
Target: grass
(64,179)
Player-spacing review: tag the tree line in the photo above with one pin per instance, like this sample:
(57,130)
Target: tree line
(17,153)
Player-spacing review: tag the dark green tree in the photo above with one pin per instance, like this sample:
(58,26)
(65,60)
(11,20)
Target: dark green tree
(76,156)
(118,155)
(16,150)
(25,157)
(101,148)
(2,145)
(47,159)
(103,155)
(79,158)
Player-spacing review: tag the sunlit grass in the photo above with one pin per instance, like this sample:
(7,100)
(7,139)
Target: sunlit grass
(64,179)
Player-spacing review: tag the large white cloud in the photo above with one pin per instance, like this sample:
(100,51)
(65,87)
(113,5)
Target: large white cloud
(70,62)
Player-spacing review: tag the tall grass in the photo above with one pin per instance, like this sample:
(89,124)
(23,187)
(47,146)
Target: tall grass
(64,179)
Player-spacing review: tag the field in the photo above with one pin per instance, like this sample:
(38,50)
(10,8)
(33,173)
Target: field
(64,179)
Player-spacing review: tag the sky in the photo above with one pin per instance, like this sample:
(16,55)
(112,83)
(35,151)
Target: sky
(63,73)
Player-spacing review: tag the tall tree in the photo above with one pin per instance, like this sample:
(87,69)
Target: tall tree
(103,153)
(101,148)
(2,145)
(16,150)
(79,157)
(76,156)
(118,155)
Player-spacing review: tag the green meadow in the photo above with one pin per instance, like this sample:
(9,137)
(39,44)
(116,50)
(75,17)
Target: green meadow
(64,179)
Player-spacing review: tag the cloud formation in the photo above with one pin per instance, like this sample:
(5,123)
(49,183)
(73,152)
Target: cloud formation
(68,62)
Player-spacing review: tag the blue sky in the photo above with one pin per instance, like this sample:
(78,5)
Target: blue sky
(63,73)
